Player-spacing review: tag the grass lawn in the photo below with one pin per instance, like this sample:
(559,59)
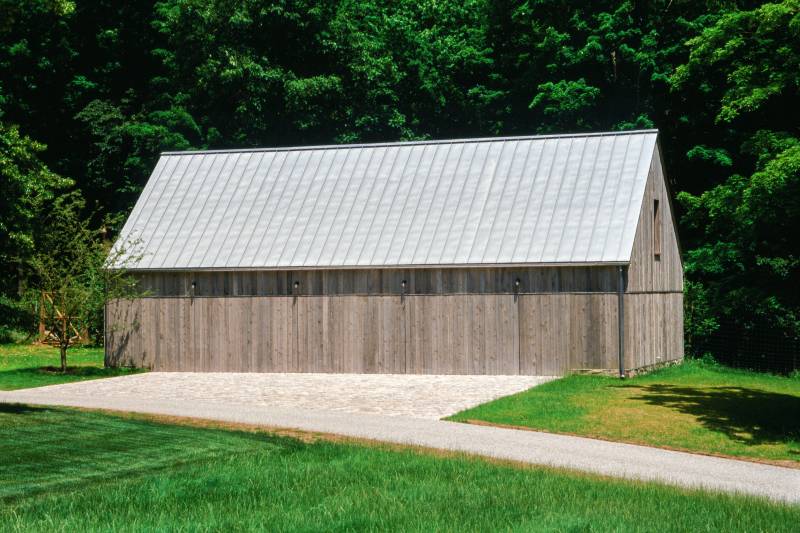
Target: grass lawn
(28,365)
(694,406)
(70,470)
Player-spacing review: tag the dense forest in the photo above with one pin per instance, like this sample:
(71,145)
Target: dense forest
(92,91)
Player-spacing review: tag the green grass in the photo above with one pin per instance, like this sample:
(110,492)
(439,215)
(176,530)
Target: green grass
(28,365)
(68,470)
(694,406)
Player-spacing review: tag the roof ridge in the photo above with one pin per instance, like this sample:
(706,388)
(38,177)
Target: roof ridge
(413,143)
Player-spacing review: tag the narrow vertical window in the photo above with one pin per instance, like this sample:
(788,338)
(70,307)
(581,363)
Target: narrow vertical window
(656,230)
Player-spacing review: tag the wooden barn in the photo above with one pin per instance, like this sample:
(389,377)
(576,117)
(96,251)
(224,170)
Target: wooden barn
(516,255)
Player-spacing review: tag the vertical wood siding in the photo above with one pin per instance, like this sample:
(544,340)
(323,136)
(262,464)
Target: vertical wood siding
(646,272)
(564,332)
(382,282)
(466,334)
(546,334)
(653,328)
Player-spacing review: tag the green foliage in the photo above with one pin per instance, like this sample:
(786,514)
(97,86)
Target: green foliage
(755,50)
(17,322)
(717,156)
(566,101)
(745,259)
(26,184)
(698,315)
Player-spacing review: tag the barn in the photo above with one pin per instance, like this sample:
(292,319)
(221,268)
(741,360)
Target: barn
(509,255)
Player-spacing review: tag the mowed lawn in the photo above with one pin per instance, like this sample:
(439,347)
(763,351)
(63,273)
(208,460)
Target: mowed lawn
(67,470)
(29,365)
(694,406)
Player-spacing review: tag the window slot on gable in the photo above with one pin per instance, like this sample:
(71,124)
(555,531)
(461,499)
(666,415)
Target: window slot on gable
(656,231)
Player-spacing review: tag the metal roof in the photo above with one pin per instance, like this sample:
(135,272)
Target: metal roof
(498,201)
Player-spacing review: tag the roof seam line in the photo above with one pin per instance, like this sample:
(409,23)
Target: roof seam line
(405,205)
(232,226)
(489,195)
(560,240)
(231,196)
(279,233)
(616,195)
(601,198)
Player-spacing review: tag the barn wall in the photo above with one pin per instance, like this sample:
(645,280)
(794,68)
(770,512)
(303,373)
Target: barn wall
(564,332)
(648,273)
(449,321)
(653,328)
(428,334)
(654,293)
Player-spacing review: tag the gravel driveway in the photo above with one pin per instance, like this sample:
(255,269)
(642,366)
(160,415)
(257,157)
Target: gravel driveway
(412,396)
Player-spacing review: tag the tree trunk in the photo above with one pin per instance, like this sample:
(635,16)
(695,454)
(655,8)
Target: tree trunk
(64,341)
(63,358)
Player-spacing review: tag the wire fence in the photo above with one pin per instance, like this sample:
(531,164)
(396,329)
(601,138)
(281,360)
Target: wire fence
(762,349)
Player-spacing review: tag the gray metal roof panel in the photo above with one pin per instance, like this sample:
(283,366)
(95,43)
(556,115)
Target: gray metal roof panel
(512,200)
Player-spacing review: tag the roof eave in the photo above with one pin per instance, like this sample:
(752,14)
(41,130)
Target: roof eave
(382,267)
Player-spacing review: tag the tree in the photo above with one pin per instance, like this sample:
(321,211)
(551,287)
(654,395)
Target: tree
(26,185)
(70,282)
(744,258)
(748,253)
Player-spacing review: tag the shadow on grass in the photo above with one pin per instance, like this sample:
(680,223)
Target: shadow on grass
(72,371)
(749,416)
(21,378)
(20,409)
(78,371)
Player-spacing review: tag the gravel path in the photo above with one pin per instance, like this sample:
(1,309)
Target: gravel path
(608,458)
(416,396)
